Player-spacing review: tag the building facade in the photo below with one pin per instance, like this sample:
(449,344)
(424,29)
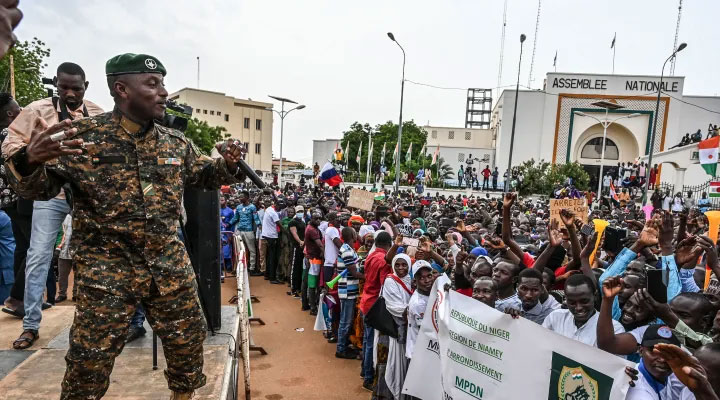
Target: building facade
(549,127)
(324,150)
(458,144)
(248,121)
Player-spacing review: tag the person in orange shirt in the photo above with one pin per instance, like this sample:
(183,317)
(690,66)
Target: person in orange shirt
(49,215)
(624,197)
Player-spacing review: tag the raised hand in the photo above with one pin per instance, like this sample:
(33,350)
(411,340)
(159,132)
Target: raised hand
(666,230)
(10,17)
(44,145)
(509,199)
(398,240)
(649,234)
(686,367)
(567,217)
(611,287)
(589,246)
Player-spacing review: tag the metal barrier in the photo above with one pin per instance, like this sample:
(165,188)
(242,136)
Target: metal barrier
(244,309)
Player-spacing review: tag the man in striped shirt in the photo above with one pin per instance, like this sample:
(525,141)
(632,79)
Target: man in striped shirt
(347,263)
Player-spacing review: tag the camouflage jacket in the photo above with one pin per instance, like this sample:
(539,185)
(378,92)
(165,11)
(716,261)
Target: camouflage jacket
(127,191)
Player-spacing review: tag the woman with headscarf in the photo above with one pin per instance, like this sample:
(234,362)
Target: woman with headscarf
(391,362)
(419,223)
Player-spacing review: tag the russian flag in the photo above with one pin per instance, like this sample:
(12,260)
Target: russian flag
(329,175)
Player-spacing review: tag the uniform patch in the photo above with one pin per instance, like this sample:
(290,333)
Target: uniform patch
(169,161)
(109,160)
(147,188)
(664,332)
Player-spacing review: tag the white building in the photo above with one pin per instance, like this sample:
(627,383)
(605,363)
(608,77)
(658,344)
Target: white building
(548,127)
(324,150)
(458,144)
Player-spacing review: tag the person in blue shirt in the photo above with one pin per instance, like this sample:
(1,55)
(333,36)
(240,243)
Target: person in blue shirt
(7,250)
(704,203)
(245,221)
(226,217)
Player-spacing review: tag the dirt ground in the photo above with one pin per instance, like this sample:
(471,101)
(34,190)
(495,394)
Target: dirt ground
(299,365)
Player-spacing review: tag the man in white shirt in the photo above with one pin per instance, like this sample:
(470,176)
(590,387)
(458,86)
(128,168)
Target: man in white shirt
(423,276)
(505,276)
(579,320)
(607,179)
(271,250)
(656,380)
(331,237)
(530,292)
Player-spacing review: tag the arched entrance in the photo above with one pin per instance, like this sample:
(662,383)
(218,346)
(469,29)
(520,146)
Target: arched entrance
(620,147)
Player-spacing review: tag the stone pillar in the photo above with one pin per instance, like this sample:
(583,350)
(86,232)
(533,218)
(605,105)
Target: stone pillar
(679,179)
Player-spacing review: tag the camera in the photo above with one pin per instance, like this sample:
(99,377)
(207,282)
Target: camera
(49,86)
(177,121)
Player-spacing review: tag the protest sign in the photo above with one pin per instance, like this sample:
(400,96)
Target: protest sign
(361,199)
(467,350)
(578,206)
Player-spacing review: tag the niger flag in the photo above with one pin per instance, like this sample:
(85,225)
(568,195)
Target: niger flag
(708,154)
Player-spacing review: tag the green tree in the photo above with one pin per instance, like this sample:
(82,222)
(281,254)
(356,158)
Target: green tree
(29,60)
(383,134)
(205,136)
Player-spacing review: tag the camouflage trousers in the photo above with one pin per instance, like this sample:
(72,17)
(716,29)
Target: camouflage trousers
(101,325)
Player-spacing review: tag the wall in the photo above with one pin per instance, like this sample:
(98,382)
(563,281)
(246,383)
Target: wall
(479,138)
(323,150)
(529,142)
(203,102)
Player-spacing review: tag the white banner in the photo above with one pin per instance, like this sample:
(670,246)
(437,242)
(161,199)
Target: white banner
(485,354)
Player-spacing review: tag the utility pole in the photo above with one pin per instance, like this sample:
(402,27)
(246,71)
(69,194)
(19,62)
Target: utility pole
(12,76)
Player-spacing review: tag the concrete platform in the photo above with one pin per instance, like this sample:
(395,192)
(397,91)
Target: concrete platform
(37,373)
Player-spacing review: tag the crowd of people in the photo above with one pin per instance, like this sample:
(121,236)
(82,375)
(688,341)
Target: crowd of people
(506,253)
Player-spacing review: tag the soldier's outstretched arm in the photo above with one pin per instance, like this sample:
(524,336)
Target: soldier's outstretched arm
(28,174)
(209,173)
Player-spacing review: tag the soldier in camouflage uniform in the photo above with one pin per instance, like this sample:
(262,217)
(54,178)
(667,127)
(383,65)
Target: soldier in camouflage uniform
(127,175)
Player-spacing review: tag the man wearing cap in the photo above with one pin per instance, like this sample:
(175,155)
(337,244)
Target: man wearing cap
(127,175)
(656,380)
(47,216)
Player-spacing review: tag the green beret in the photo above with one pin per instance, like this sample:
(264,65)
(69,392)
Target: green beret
(130,63)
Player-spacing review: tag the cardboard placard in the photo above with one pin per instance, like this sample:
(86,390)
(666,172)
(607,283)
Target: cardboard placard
(361,199)
(578,206)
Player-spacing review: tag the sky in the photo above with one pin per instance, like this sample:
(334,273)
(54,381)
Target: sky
(334,56)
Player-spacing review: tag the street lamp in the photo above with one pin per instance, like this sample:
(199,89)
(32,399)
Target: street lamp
(282,113)
(512,130)
(399,140)
(657,110)
(605,123)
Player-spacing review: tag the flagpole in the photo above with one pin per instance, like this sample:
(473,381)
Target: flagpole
(369,157)
(613,47)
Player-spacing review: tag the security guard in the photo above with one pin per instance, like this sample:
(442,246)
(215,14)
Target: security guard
(127,175)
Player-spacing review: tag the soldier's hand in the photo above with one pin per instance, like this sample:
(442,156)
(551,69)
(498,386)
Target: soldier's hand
(43,148)
(232,151)
(10,17)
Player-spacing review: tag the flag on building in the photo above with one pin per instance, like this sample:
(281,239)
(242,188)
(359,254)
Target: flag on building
(359,155)
(613,193)
(408,156)
(714,189)
(395,153)
(329,175)
(382,156)
(612,45)
(555,59)
(708,154)
(435,155)
(347,151)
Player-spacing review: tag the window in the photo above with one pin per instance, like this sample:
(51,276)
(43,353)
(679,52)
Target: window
(197,110)
(461,157)
(467,135)
(257,148)
(204,111)
(451,135)
(246,123)
(258,124)
(212,112)
(593,149)
(434,134)
(247,146)
(218,113)
(227,117)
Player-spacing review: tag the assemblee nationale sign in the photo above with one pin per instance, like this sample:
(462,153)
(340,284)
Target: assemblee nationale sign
(469,351)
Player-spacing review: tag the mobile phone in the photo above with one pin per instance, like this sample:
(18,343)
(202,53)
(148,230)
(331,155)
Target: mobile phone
(447,222)
(656,285)
(588,229)
(614,239)
(498,227)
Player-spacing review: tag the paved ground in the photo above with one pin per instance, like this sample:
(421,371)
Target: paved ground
(300,365)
